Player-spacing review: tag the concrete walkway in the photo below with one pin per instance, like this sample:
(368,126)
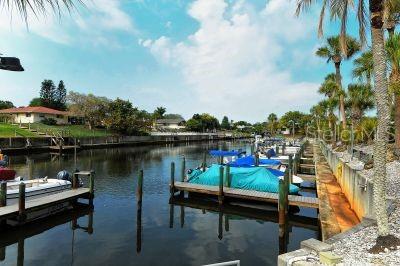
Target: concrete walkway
(336,216)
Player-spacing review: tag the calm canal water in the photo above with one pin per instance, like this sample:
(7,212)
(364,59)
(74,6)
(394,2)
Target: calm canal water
(202,237)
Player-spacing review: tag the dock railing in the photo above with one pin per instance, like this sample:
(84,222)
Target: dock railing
(357,189)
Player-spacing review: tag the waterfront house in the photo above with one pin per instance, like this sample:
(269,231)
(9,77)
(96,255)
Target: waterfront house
(170,124)
(25,115)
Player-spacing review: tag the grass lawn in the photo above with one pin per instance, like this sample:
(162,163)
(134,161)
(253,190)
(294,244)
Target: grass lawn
(8,130)
(73,130)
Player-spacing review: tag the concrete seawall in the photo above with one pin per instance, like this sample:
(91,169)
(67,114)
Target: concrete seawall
(357,189)
(42,144)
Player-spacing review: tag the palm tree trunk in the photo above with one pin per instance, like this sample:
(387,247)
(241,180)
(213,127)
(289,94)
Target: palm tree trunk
(383,115)
(397,123)
(341,98)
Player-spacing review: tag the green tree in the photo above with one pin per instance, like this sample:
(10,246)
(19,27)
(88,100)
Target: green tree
(202,123)
(364,67)
(60,97)
(333,51)
(173,116)
(340,10)
(360,98)
(93,108)
(36,102)
(6,104)
(48,93)
(225,123)
(272,121)
(159,112)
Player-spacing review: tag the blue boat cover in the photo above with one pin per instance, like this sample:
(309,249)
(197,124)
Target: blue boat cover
(224,153)
(249,161)
(254,178)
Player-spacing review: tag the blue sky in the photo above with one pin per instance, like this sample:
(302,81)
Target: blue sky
(241,58)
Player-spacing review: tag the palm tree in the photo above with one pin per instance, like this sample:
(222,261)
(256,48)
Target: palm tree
(360,98)
(393,54)
(391,15)
(272,118)
(333,52)
(38,6)
(364,67)
(318,113)
(340,9)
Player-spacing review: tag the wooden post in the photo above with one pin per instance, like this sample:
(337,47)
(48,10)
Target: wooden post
(3,194)
(252,149)
(75,180)
(221,160)
(256,159)
(183,169)
(171,215)
(286,179)
(283,148)
(182,216)
(281,208)
(21,251)
(90,222)
(204,165)
(21,202)
(220,231)
(290,167)
(226,223)
(221,185)
(139,191)
(228,176)
(277,150)
(172,185)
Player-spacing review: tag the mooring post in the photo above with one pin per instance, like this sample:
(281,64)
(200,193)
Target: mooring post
(221,185)
(286,179)
(226,223)
(220,218)
(290,167)
(228,176)
(204,165)
(182,216)
(277,149)
(281,208)
(283,148)
(3,194)
(21,202)
(90,222)
(171,215)
(257,159)
(172,185)
(75,180)
(139,191)
(91,186)
(21,252)
(183,169)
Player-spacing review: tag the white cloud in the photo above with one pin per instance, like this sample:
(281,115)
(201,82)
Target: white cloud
(89,23)
(233,62)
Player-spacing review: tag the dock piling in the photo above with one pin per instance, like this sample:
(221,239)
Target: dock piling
(281,208)
(221,185)
(172,185)
(183,169)
(21,202)
(204,165)
(3,194)
(257,159)
(228,176)
(290,167)
(139,191)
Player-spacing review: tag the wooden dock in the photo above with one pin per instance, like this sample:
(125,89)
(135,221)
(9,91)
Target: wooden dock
(36,208)
(11,211)
(236,193)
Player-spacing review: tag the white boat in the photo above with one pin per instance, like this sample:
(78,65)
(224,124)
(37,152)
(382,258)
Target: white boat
(295,180)
(35,188)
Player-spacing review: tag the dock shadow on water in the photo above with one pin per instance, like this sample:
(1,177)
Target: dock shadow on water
(156,230)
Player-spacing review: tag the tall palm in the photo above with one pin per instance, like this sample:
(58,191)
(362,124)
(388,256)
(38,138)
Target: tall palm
(340,9)
(318,113)
(360,98)
(391,15)
(38,6)
(364,67)
(272,119)
(393,55)
(332,51)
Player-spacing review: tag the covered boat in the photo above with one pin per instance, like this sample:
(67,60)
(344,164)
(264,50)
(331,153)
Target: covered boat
(249,178)
(6,174)
(249,161)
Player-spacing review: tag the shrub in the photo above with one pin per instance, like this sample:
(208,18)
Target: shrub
(49,121)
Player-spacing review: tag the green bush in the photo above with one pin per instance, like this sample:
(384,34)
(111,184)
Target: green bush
(49,121)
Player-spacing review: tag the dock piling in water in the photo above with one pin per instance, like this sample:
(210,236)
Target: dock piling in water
(21,202)
(221,185)
(290,167)
(228,177)
(139,192)
(281,207)
(183,169)
(172,188)
(3,194)
(204,164)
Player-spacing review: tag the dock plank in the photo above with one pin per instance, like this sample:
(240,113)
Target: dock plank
(45,201)
(294,200)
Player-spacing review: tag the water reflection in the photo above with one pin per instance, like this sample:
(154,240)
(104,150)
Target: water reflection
(18,235)
(228,211)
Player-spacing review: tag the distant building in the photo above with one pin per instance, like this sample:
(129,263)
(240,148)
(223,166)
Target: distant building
(285,131)
(25,115)
(170,124)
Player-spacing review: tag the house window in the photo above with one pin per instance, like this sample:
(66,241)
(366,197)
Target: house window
(27,115)
(42,115)
(59,116)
